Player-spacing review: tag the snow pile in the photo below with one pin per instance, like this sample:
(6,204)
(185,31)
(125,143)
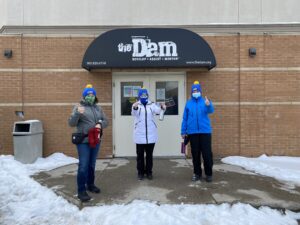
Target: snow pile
(24,201)
(282,168)
(42,164)
(146,213)
(51,162)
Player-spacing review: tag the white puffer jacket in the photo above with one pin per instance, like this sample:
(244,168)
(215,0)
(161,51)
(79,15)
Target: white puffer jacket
(145,129)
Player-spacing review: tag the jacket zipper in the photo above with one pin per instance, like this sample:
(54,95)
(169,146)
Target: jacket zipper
(197,113)
(94,114)
(146,124)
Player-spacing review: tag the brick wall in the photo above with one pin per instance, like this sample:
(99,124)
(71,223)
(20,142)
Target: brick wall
(257,106)
(256,98)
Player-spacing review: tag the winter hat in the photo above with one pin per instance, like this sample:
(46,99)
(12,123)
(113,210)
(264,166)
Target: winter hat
(196,86)
(88,90)
(142,91)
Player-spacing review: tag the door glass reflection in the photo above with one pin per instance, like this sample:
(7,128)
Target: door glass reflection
(167,92)
(129,95)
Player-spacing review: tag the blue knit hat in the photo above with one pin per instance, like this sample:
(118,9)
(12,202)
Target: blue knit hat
(88,90)
(142,91)
(196,86)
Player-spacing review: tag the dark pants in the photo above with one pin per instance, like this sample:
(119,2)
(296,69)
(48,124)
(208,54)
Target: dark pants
(140,149)
(201,145)
(86,167)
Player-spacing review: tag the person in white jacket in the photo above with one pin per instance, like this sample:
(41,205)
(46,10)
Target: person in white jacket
(145,132)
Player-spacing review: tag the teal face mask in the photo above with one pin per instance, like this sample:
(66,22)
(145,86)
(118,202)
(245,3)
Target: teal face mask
(90,99)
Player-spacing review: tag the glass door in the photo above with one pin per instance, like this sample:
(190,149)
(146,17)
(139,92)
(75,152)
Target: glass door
(167,88)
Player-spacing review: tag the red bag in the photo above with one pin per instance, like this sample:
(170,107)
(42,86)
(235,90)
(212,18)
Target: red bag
(94,136)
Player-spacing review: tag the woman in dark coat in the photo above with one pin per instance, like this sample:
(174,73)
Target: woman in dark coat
(87,117)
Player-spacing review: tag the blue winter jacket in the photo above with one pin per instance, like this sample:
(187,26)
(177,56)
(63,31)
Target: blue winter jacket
(195,117)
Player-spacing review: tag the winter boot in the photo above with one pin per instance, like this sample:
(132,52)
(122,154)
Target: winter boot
(94,189)
(208,178)
(196,177)
(140,176)
(149,176)
(83,196)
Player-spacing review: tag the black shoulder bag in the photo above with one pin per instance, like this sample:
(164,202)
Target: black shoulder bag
(77,138)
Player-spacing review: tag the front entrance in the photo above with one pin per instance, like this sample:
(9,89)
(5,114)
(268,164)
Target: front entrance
(162,87)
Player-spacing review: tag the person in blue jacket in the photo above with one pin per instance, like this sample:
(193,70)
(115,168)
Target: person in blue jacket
(196,125)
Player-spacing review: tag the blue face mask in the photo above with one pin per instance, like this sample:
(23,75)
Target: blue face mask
(196,95)
(144,101)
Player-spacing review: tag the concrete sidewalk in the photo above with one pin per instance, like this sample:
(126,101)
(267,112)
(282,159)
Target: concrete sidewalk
(172,184)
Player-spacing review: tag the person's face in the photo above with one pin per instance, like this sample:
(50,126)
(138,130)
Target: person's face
(196,94)
(144,95)
(90,98)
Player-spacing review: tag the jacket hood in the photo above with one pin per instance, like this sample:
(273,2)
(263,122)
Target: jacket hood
(143,91)
(196,86)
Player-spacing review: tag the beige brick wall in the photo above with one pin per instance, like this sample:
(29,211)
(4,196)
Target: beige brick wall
(265,126)
(263,122)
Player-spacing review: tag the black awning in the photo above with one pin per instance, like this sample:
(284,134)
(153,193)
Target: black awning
(149,48)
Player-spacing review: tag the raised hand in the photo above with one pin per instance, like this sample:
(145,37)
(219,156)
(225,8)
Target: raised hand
(135,105)
(80,109)
(207,102)
(163,106)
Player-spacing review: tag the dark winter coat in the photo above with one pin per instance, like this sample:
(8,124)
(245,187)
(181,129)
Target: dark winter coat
(92,115)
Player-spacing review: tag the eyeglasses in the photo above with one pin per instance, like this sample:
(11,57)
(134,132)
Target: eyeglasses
(144,95)
(90,93)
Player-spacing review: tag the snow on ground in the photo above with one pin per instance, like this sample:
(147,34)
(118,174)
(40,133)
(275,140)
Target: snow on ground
(53,161)
(282,168)
(25,201)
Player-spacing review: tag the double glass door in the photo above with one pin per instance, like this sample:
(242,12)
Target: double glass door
(162,88)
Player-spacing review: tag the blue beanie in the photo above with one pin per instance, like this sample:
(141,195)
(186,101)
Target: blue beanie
(196,86)
(88,90)
(142,91)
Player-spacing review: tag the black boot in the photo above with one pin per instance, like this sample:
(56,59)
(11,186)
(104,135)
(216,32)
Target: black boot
(83,196)
(140,176)
(94,189)
(196,177)
(149,176)
(208,178)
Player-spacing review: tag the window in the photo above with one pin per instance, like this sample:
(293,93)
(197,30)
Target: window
(129,95)
(167,92)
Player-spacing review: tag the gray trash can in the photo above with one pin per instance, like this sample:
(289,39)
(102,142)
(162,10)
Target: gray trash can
(28,140)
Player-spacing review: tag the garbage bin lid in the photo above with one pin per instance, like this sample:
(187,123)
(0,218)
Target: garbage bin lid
(27,127)
(29,121)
